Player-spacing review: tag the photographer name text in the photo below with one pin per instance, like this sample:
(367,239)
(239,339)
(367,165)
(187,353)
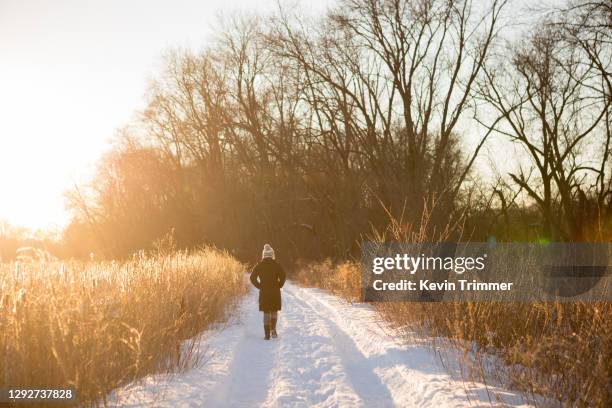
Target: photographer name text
(426,284)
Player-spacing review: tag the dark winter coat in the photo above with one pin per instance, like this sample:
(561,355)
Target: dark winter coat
(268,276)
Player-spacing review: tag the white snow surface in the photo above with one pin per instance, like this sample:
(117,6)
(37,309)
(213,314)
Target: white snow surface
(329,353)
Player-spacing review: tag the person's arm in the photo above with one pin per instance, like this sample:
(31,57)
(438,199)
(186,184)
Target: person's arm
(281,276)
(255,278)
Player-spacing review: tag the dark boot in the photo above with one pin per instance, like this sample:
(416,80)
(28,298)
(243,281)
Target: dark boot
(267,331)
(273,328)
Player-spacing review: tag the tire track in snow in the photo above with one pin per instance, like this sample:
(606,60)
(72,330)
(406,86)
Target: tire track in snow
(364,382)
(247,382)
(309,372)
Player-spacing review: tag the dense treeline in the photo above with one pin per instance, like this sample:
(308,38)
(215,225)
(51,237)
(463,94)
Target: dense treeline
(310,132)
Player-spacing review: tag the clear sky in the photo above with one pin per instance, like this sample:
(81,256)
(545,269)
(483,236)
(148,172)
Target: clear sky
(71,73)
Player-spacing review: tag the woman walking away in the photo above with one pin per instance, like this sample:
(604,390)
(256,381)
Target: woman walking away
(268,276)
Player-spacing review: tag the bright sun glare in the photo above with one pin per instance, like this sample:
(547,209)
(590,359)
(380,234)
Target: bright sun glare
(71,73)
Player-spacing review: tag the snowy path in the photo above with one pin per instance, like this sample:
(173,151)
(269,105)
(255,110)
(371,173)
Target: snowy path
(328,354)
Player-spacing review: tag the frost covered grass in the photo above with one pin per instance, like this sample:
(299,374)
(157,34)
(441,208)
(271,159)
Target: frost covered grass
(95,326)
(559,351)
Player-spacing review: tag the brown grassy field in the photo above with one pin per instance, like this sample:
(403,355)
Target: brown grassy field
(95,326)
(562,351)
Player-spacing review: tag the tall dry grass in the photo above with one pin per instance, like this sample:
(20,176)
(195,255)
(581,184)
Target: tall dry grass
(342,279)
(553,353)
(95,326)
(559,351)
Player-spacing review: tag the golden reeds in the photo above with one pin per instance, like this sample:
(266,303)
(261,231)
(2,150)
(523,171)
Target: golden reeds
(95,326)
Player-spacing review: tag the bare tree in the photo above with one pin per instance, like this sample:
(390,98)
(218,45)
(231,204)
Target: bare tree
(388,82)
(552,101)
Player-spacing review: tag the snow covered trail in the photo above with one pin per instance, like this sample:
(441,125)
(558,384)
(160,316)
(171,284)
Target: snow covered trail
(328,354)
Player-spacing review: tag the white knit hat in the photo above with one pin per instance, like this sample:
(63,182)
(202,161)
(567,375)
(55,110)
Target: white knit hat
(268,252)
